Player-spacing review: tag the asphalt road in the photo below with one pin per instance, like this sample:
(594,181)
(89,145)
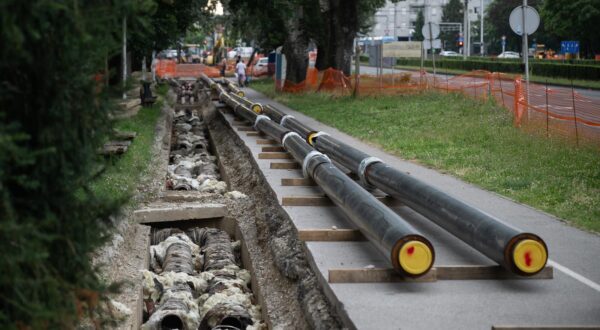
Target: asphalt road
(594,94)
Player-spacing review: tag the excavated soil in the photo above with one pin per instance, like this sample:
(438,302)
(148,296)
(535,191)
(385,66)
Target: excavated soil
(292,296)
(292,293)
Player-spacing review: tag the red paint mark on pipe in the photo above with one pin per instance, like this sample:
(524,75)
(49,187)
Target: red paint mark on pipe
(528,259)
(410,250)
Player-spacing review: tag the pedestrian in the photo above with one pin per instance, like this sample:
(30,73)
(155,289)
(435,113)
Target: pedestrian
(223,67)
(240,69)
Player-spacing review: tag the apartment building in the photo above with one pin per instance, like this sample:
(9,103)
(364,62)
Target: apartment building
(398,19)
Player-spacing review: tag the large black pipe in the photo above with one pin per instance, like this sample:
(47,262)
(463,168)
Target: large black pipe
(410,253)
(520,252)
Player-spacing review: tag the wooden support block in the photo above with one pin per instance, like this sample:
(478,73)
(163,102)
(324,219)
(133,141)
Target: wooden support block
(274,155)
(243,124)
(330,235)
(325,201)
(255,134)
(297,182)
(439,273)
(374,275)
(306,201)
(273,149)
(188,211)
(246,129)
(238,119)
(285,166)
(487,273)
(266,141)
(546,327)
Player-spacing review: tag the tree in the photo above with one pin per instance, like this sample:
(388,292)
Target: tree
(419,23)
(496,25)
(452,13)
(54,117)
(574,20)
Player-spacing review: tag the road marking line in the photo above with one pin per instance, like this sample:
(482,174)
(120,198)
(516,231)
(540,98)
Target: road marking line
(575,275)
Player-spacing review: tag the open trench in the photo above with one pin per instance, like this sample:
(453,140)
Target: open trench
(245,271)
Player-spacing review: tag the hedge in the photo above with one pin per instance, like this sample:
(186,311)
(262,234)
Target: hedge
(538,68)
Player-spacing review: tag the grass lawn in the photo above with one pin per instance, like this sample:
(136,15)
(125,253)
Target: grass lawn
(471,140)
(124,172)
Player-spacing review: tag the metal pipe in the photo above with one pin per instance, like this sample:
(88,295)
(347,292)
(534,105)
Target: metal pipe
(520,252)
(410,253)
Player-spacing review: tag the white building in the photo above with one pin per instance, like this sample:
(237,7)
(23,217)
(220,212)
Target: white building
(398,19)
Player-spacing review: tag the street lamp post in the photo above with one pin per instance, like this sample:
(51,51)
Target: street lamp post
(481,31)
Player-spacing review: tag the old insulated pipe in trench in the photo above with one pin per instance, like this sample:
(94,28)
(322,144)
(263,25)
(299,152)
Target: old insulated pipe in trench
(520,252)
(410,253)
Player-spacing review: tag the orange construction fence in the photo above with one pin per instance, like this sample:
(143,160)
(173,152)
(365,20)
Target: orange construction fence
(551,110)
(171,69)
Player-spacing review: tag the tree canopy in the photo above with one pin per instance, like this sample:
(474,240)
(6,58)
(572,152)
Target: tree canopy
(574,20)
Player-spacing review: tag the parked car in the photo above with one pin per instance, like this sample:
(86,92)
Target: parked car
(449,53)
(509,55)
(261,67)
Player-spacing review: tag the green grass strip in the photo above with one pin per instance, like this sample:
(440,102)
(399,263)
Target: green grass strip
(471,140)
(124,172)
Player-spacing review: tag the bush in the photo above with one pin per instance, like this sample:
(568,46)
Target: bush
(53,118)
(538,67)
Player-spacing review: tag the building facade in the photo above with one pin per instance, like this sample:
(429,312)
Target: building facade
(398,19)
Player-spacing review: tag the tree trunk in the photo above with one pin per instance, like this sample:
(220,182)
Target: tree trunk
(341,24)
(295,48)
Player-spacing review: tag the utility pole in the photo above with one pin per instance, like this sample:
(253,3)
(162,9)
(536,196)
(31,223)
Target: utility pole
(124,56)
(481,46)
(466,35)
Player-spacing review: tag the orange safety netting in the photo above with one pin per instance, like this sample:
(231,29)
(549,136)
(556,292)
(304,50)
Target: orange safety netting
(170,69)
(556,111)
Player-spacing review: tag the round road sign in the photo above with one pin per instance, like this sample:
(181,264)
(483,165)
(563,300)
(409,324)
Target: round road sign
(435,31)
(532,20)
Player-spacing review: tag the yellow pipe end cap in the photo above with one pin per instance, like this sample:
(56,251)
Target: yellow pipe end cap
(310,138)
(257,108)
(415,257)
(530,256)
(241,94)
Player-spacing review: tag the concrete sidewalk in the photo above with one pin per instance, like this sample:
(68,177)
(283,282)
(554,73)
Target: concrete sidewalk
(478,304)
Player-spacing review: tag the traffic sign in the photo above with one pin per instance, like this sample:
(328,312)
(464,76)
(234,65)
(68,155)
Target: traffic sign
(532,20)
(435,31)
(570,47)
(437,43)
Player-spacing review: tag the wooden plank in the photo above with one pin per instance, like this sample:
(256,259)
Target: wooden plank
(186,211)
(108,150)
(476,272)
(273,149)
(285,166)
(274,155)
(255,134)
(246,129)
(306,201)
(325,201)
(330,235)
(124,135)
(297,182)
(545,327)
(267,141)
(118,143)
(374,275)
